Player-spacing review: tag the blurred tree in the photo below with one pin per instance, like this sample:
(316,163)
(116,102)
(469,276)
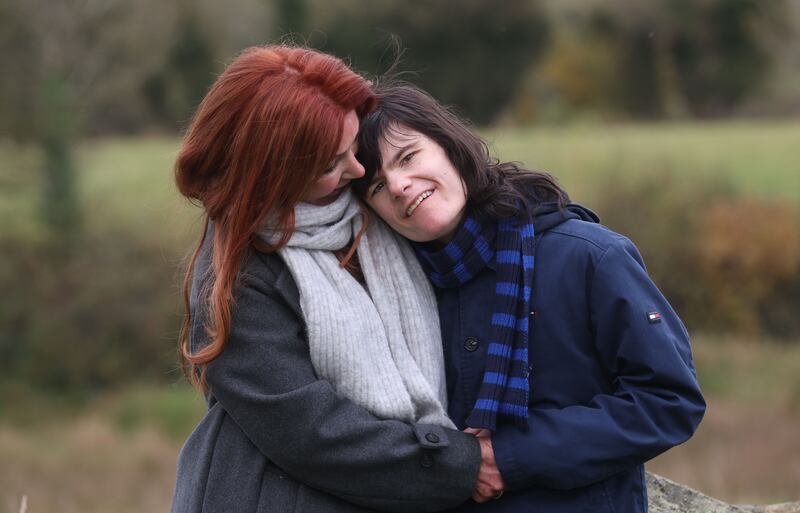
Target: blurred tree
(577,73)
(130,70)
(719,57)
(292,16)
(669,58)
(19,75)
(470,53)
(66,75)
(778,97)
(180,84)
(52,120)
(56,135)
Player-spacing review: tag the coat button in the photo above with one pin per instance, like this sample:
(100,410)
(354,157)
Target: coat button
(432,438)
(471,344)
(426,460)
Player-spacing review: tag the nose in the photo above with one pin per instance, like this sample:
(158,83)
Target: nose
(354,168)
(396,183)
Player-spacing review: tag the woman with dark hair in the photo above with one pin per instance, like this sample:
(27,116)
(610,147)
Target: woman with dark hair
(562,356)
(312,332)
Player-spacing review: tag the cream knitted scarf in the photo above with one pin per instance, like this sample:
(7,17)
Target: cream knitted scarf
(381,346)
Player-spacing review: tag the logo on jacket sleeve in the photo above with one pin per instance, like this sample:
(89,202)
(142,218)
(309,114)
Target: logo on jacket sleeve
(653,317)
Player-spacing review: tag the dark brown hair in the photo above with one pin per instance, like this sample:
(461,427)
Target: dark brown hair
(267,129)
(499,189)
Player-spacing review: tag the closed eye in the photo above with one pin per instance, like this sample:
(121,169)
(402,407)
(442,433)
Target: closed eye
(333,166)
(352,149)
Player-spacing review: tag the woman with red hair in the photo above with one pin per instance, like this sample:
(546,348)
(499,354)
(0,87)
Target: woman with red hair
(312,332)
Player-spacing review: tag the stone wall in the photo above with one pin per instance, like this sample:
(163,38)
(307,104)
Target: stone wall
(670,497)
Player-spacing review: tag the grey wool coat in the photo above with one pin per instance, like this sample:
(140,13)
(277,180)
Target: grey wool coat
(276,438)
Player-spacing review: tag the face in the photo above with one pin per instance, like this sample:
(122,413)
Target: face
(342,169)
(417,191)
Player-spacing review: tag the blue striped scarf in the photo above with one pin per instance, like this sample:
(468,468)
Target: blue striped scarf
(510,243)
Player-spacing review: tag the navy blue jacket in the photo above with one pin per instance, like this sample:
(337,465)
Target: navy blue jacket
(612,383)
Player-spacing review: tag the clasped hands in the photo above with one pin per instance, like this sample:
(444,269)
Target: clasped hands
(490,483)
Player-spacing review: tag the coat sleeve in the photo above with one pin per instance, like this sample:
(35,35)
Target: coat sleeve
(654,401)
(265,381)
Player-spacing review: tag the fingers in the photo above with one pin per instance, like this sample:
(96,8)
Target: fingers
(490,482)
(484,492)
(480,433)
(487,451)
(477,497)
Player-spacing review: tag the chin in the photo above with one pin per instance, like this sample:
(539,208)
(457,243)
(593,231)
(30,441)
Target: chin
(429,234)
(417,237)
(425,230)
(414,235)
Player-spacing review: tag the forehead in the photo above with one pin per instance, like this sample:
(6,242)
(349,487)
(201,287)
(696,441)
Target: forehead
(397,136)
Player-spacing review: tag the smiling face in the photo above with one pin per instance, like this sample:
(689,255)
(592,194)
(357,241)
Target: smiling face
(417,191)
(343,168)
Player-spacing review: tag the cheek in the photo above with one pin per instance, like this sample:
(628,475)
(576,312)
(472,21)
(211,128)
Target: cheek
(383,210)
(326,182)
(456,196)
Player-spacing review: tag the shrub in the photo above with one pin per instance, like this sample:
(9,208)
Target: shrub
(748,261)
(101,314)
(727,264)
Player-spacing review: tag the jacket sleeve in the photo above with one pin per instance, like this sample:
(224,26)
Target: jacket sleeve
(654,401)
(265,381)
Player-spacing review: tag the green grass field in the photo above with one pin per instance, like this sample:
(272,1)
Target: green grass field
(131,180)
(128,182)
(755,158)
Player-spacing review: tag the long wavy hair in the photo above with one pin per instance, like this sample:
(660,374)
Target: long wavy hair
(499,189)
(267,129)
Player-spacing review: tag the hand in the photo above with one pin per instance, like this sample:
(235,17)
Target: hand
(479,433)
(490,482)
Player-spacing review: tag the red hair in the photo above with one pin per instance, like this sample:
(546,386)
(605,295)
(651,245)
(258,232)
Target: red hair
(267,129)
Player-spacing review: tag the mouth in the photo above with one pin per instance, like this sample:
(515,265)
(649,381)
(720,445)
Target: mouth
(330,198)
(422,197)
